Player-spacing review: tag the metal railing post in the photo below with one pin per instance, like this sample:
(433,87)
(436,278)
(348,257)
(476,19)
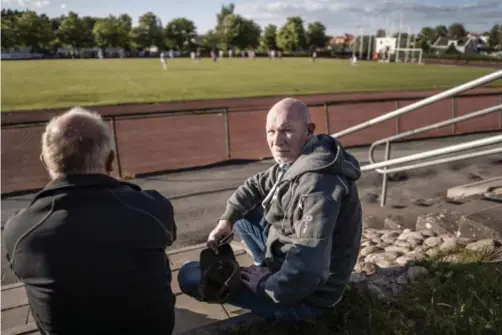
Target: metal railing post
(116,147)
(383,195)
(453,113)
(227,133)
(500,114)
(397,119)
(326,117)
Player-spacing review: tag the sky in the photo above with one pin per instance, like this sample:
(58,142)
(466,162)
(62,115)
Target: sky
(339,16)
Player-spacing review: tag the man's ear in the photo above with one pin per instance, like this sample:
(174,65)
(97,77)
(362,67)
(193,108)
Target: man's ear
(43,162)
(109,162)
(311,128)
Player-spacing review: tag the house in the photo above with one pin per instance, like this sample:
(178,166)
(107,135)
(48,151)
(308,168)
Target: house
(386,44)
(341,40)
(471,44)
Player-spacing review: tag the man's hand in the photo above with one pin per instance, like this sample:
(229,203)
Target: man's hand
(222,230)
(252,275)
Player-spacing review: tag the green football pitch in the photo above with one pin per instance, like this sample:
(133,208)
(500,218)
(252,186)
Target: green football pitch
(41,84)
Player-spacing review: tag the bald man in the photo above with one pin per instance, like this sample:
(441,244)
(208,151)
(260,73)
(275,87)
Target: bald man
(90,249)
(300,219)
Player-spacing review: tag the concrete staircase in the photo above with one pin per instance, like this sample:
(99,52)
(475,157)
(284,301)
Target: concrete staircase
(472,210)
(192,317)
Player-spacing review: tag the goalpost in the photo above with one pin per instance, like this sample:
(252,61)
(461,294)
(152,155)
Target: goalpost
(408,55)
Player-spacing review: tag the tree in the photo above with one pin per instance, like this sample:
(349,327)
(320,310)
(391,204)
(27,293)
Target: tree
(210,40)
(268,39)
(248,34)
(441,31)
(149,32)
(316,35)
(34,31)
(291,36)
(494,37)
(10,38)
(428,35)
(457,30)
(179,34)
(74,32)
(108,32)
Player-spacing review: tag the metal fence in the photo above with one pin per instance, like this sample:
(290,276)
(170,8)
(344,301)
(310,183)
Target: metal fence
(164,141)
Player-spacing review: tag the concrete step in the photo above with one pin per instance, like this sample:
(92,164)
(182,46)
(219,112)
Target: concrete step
(491,185)
(477,219)
(190,313)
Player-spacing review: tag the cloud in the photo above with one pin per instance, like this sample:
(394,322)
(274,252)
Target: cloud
(27,3)
(341,16)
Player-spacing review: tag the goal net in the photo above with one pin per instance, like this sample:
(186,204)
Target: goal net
(409,55)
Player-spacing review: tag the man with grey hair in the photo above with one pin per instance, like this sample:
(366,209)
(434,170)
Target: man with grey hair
(89,248)
(300,219)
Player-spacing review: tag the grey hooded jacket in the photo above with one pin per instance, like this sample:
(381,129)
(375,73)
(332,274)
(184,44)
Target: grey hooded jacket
(315,223)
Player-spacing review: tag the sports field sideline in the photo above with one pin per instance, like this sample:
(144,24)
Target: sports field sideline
(61,83)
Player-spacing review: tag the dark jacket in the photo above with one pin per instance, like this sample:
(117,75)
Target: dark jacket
(315,223)
(91,252)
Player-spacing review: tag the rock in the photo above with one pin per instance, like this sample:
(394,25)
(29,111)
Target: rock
(415,272)
(376,291)
(442,222)
(488,245)
(393,222)
(402,279)
(387,256)
(367,243)
(448,243)
(390,236)
(410,235)
(370,250)
(433,241)
(383,263)
(368,268)
(380,280)
(357,277)
(414,242)
(432,252)
(463,241)
(391,271)
(427,233)
(404,244)
(412,256)
(397,249)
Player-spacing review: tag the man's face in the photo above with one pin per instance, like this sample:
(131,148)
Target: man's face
(286,136)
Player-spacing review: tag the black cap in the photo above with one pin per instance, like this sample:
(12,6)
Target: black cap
(220,274)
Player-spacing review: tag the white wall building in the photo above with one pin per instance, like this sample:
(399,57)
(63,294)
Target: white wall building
(382,43)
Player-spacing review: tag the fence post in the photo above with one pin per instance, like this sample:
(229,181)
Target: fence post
(227,133)
(453,114)
(398,130)
(383,196)
(326,117)
(500,114)
(115,143)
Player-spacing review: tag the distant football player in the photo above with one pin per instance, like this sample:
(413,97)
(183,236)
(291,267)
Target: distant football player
(163,60)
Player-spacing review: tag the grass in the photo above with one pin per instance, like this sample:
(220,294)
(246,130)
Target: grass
(41,84)
(458,298)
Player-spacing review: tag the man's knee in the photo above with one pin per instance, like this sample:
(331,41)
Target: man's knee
(189,278)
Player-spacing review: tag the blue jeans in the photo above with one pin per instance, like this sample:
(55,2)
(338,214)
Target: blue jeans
(254,234)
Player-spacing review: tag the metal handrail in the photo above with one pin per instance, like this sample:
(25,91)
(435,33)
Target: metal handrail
(436,152)
(434,126)
(444,160)
(432,153)
(422,103)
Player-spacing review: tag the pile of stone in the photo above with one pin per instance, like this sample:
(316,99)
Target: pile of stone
(387,258)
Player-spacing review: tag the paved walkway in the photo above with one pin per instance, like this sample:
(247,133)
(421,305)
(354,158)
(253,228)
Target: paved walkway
(190,314)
